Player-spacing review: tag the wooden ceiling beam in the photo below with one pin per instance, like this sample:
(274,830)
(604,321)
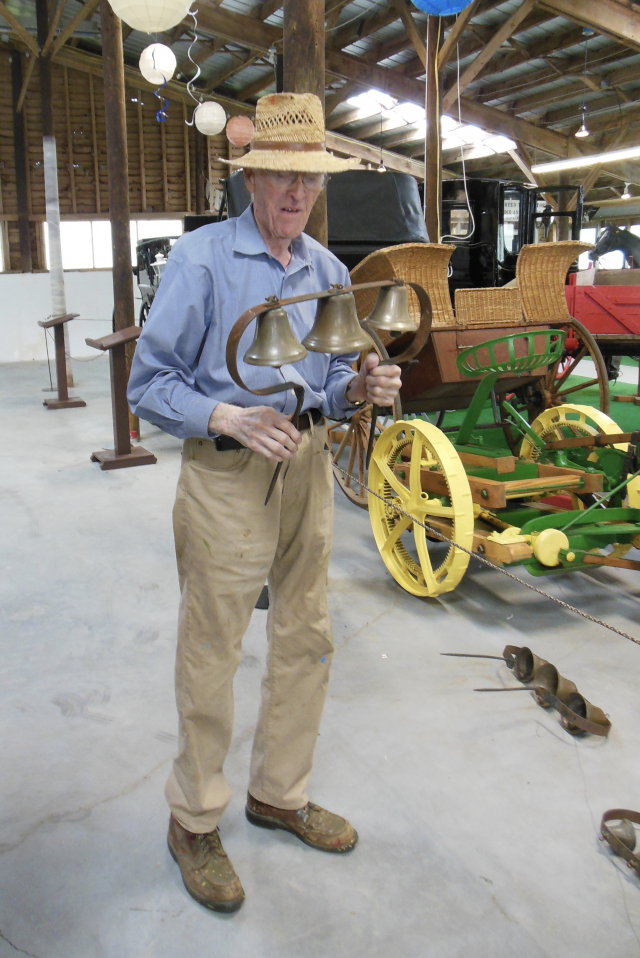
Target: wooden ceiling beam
(536,51)
(53,26)
(83,14)
(619,19)
(508,28)
(410,25)
(246,31)
(350,88)
(244,61)
(447,50)
(17,27)
(367,153)
(256,87)
(359,29)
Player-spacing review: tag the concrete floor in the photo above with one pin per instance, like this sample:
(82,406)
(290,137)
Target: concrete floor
(478,815)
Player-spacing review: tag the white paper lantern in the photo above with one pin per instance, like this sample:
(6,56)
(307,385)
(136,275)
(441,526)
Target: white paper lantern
(151,16)
(210,118)
(157,63)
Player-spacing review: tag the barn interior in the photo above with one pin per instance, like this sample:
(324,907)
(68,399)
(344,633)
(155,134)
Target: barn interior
(479,815)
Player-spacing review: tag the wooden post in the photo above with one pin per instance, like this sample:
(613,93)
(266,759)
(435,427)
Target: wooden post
(20,156)
(303,72)
(432,181)
(118,171)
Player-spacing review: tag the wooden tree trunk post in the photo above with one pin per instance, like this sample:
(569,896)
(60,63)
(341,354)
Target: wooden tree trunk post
(20,156)
(303,72)
(118,173)
(432,182)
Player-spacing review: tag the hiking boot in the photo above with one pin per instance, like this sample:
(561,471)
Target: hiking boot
(313,825)
(207,873)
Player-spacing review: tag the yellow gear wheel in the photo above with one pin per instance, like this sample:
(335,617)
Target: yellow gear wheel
(561,421)
(400,484)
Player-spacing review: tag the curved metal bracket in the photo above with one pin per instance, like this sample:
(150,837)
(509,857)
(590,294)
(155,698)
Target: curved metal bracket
(243,322)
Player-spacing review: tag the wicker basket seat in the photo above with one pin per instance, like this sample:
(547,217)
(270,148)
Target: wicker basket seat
(423,263)
(541,272)
(488,307)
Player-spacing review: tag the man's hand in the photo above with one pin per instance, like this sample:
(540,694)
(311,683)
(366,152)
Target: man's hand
(375,383)
(259,428)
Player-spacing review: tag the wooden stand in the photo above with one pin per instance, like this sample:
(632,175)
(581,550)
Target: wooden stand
(124,454)
(63,401)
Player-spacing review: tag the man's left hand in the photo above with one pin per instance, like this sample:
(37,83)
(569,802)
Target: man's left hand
(375,383)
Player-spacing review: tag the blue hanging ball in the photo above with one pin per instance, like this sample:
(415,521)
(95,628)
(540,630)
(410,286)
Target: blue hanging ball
(441,8)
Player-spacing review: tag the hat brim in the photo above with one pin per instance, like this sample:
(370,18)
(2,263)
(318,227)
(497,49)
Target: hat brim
(316,161)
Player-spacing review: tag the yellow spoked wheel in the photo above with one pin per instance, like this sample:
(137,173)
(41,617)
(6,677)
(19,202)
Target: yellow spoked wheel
(402,456)
(562,422)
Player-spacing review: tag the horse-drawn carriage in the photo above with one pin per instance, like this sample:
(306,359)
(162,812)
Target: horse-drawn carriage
(507,344)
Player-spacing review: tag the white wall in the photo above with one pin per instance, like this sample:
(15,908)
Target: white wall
(25,298)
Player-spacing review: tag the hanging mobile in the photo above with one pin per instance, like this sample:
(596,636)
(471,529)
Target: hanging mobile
(157,65)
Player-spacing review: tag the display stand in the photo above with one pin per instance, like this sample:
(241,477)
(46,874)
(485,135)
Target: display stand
(63,401)
(124,454)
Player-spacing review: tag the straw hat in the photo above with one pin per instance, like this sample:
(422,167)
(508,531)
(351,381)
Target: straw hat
(289,135)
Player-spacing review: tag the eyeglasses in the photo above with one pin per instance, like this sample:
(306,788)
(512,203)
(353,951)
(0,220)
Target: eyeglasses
(285,180)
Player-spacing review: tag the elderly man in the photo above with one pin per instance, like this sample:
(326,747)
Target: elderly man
(227,540)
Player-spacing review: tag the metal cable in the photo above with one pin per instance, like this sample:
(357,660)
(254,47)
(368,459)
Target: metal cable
(492,565)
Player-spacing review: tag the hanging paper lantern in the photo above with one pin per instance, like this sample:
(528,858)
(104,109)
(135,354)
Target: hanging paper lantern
(151,16)
(157,63)
(210,118)
(240,130)
(441,8)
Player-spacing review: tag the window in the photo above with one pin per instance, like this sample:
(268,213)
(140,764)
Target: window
(150,229)
(587,236)
(86,244)
(459,222)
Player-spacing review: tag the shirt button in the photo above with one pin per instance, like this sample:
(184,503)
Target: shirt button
(199,442)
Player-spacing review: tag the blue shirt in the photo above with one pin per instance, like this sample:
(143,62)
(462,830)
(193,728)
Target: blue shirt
(179,374)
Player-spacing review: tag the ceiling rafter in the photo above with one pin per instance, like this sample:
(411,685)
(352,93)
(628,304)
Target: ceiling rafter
(619,19)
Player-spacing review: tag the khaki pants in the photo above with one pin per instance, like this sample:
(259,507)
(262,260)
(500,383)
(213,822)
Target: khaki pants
(227,543)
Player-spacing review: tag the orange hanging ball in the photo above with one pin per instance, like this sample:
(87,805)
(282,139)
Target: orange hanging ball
(240,130)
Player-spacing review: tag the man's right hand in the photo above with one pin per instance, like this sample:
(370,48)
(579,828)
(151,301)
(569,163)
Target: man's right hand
(259,428)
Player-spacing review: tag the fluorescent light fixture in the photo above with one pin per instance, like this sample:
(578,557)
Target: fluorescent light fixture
(613,156)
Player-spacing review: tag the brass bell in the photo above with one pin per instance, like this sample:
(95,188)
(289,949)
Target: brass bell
(391,311)
(336,328)
(625,832)
(274,343)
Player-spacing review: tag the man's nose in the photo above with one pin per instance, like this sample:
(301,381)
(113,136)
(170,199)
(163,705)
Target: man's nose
(297,189)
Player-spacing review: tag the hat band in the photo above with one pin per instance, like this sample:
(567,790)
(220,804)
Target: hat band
(302,147)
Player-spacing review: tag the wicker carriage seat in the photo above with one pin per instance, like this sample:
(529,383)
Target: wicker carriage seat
(488,307)
(424,263)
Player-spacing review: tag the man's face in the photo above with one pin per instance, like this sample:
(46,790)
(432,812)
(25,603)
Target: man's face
(281,203)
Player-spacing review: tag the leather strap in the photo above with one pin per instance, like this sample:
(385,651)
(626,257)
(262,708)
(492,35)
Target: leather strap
(289,146)
(229,444)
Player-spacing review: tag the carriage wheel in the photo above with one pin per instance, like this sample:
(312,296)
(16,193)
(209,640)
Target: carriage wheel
(582,345)
(569,420)
(349,441)
(418,565)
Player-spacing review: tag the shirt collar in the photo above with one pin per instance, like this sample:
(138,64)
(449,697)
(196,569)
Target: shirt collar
(250,242)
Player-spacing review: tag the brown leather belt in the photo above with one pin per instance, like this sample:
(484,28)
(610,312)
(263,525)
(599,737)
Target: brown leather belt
(307,418)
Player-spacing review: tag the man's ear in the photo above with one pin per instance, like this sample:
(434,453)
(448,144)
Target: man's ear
(249,180)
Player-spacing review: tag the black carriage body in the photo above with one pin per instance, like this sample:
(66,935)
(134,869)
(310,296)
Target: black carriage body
(505,215)
(366,211)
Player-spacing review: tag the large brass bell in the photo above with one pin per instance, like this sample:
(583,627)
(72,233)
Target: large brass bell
(336,328)
(625,832)
(391,312)
(274,343)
